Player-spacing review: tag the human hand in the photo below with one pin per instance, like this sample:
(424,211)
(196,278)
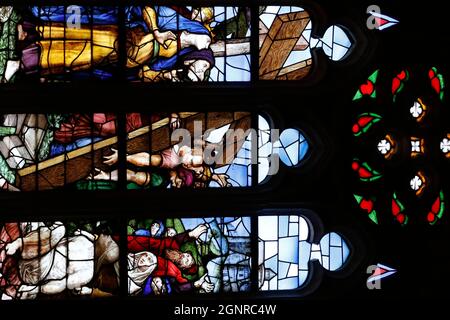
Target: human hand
(175,75)
(111,159)
(204,284)
(174,121)
(222,179)
(198,231)
(99,175)
(207,286)
(162,37)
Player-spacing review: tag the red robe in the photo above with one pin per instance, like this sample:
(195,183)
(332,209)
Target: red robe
(156,245)
(10,280)
(164,268)
(81,125)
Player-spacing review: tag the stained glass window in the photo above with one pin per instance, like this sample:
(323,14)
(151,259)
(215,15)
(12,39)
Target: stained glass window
(286,248)
(214,149)
(59,43)
(400,166)
(204,255)
(49,151)
(285,43)
(170,43)
(291,147)
(66,43)
(214,255)
(58,260)
(188,149)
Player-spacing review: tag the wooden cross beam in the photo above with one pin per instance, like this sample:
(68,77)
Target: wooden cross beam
(277,43)
(80,163)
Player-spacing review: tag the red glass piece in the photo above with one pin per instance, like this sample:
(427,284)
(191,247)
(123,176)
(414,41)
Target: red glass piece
(430,217)
(364,120)
(402,75)
(395,85)
(367,88)
(366,205)
(379,271)
(364,173)
(436,206)
(395,208)
(401,218)
(431,74)
(436,84)
(380,21)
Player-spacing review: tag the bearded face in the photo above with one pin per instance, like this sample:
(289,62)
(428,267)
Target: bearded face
(182,260)
(5,13)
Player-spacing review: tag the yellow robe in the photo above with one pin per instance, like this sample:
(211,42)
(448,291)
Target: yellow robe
(76,49)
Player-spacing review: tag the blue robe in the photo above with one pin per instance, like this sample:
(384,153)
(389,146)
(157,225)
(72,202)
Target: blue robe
(168,20)
(89,15)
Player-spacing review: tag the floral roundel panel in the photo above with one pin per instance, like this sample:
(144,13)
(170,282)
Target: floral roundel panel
(401,142)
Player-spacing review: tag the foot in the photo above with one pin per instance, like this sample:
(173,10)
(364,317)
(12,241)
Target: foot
(82,291)
(13,247)
(101,175)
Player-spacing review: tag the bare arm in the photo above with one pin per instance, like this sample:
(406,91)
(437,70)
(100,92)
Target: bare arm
(141,159)
(37,242)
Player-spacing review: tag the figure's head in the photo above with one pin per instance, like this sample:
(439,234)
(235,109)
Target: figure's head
(197,63)
(154,228)
(5,13)
(145,260)
(187,260)
(181,177)
(171,232)
(142,265)
(203,14)
(197,69)
(185,153)
(183,260)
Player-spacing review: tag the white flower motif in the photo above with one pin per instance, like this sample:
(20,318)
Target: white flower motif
(416,110)
(445,145)
(415,183)
(415,146)
(384,146)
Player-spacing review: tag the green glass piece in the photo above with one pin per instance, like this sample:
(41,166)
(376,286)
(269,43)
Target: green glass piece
(374,178)
(374,76)
(400,88)
(6,172)
(400,205)
(95,185)
(358,95)
(7,131)
(406,221)
(442,207)
(358,198)
(373,216)
(376,174)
